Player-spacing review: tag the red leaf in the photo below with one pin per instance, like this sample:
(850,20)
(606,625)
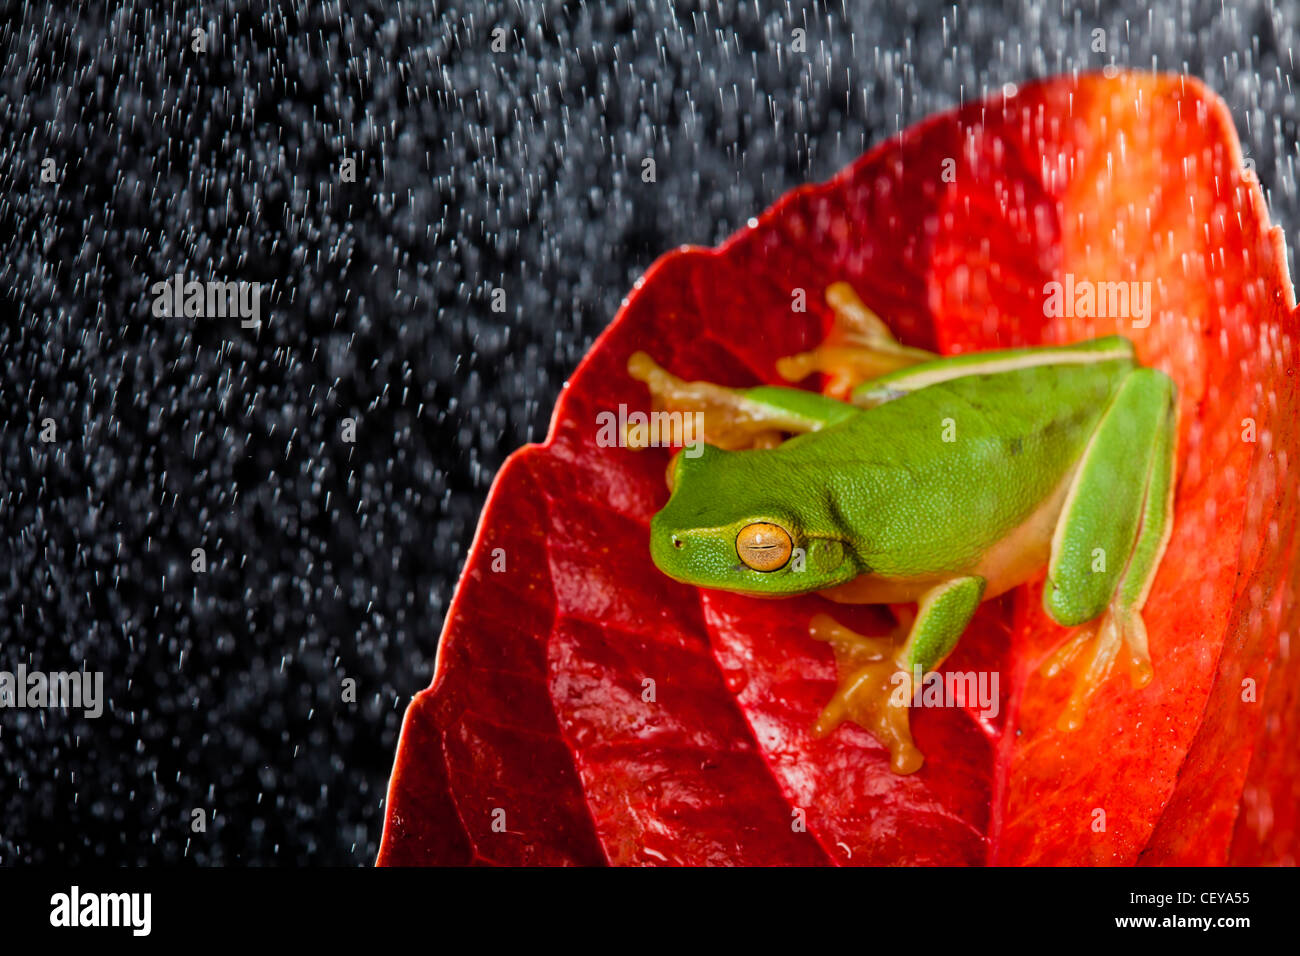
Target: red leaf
(534,743)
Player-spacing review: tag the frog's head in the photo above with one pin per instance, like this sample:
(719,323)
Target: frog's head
(748,521)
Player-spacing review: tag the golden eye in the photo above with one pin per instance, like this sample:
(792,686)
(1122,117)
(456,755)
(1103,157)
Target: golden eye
(763,546)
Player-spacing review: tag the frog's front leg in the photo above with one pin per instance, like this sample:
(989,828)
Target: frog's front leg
(738,417)
(1111,535)
(859,347)
(877,675)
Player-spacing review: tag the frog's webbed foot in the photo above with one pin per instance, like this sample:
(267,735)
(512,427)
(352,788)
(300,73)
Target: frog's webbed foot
(874,691)
(878,675)
(859,347)
(1092,651)
(730,419)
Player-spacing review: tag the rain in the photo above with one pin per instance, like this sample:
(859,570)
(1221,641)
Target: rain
(443,206)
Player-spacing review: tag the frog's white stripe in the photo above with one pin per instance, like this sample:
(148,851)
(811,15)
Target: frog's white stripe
(950,369)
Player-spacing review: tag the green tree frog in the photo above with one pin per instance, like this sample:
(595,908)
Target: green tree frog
(941,482)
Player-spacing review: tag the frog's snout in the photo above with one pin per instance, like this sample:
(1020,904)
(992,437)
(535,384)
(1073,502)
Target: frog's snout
(663,544)
(670,548)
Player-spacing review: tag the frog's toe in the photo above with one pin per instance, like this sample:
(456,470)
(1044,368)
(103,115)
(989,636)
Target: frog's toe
(859,347)
(845,366)
(877,698)
(852,649)
(1092,651)
(873,692)
(728,419)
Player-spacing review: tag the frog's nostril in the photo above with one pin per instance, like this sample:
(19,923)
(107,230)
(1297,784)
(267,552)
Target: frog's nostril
(677,542)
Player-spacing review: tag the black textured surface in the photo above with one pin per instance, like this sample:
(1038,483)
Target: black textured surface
(476,170)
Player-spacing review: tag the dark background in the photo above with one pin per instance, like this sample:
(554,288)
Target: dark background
(475,170)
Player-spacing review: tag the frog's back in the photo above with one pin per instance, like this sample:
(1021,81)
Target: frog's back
(938,474)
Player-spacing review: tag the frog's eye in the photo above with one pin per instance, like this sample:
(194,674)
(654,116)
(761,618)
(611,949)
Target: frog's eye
(763,546)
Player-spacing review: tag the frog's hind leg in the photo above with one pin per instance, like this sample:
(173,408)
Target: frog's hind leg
(1111,536)
(878,674)
(859,347)
(733,418)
